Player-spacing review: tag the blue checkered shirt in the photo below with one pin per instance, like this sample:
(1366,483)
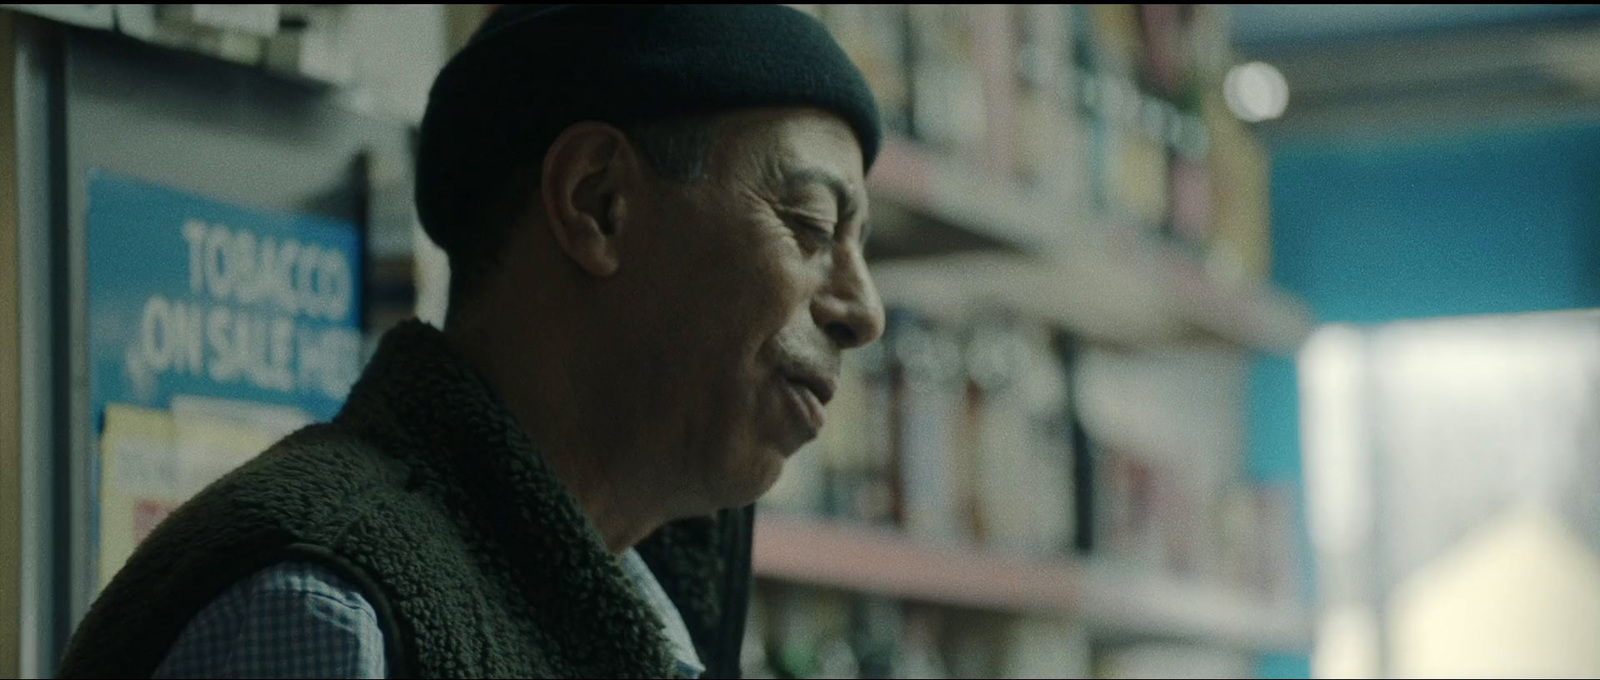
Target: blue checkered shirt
(301,620)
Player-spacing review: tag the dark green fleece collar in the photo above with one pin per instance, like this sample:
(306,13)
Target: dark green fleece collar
(427,493)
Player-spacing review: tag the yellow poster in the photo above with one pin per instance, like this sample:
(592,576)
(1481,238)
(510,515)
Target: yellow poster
(153,460)
(138,483)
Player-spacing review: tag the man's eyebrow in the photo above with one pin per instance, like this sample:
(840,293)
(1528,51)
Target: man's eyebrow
(795,177)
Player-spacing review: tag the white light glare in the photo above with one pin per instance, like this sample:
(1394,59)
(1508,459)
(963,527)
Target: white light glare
(1256,92)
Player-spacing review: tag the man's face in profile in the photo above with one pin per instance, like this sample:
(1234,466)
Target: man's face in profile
(749,284)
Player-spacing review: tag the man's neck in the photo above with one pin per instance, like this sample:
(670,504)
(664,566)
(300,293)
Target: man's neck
(556,415)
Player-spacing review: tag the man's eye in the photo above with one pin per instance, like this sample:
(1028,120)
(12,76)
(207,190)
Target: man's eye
(811,227)
(819,229)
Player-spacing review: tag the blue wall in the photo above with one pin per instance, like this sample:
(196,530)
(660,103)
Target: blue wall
(1259,26)
(1379,229)
(1494,222)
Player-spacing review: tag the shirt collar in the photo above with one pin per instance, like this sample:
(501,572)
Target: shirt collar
(677,633)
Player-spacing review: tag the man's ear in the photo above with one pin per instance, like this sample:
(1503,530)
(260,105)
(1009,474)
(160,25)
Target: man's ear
(583,173)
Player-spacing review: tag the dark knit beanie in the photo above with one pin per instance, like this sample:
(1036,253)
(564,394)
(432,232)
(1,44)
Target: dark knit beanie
(532,71)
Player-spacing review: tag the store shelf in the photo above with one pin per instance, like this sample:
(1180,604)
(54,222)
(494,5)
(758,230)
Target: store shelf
(1106,280)
(1110,601)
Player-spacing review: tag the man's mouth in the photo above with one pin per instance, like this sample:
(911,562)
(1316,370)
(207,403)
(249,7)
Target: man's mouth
(811,393)
(819,386)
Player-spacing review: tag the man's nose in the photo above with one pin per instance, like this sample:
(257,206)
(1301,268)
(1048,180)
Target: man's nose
(849,309)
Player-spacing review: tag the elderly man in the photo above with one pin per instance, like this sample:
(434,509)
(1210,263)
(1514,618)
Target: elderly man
(655,219)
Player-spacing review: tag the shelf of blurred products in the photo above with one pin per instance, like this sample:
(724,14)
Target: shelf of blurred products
(1111,282)
(1075,162)
(1041,469)
(1110,601)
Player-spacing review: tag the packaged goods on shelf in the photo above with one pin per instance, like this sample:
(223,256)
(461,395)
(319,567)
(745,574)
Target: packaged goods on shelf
(958,433)
(794,634)
(931,399)
(1126,531)
(1238,538)
(1046,647)
(877,39)
(948,110)
(1277,553)
(877,629)
(1084,468)
(1167,445)
(1254,542)
(1173,661)
(1097,108)
(974,643)
(753,657)
(1182,409)
(1024,449)
(1146,521)
(807,632)
(919,655)
(1209,50)
(837,659)
(1241,217)
(995,43)
(1115,40)
(1041,59)
(983,454)
(801,489)
(1191,200)
(800,632)
(974,429)
(1051,141)
(1136,178)
(1165,36)
(858,443)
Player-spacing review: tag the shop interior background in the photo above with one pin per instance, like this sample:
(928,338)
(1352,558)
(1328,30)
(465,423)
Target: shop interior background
(1226,341)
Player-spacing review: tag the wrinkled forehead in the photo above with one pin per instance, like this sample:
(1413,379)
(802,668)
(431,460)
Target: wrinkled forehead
(789,146)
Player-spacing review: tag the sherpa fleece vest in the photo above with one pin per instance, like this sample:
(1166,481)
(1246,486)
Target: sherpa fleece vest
(426,493)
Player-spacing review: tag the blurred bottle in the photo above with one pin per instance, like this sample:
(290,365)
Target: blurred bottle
(919,656)
(1128,533)
(795,634)
(1046,647)
(1053,154)
(1234,538)
(1278,551)
(948,110)
(963,450)
(1166,56)
(877,631)
(802,487)
(858,443)
(1173,661)
(1191,200)
(1115,39)
(973,643)
(877,39)
(1041,127)
(1180,526)
(1129,126)
(1138,171)
(1024,450)
(1085,464)
(995,47)
(932,396)
(1173,68)
(836,658)
(758,638)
